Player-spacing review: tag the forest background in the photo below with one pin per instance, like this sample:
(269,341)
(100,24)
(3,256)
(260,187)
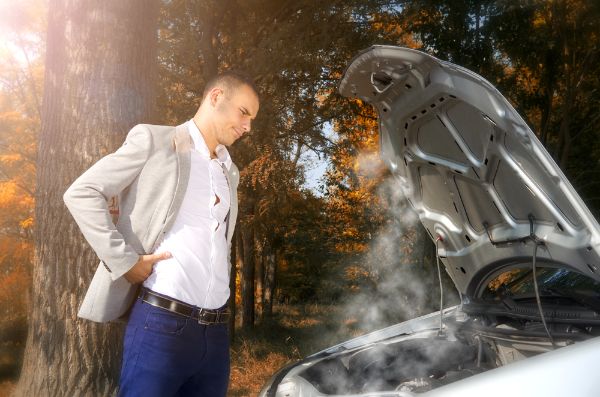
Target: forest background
(313,266)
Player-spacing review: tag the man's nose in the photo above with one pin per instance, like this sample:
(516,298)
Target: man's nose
(246,125)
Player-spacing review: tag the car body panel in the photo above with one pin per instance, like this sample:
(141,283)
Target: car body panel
(569,371)
(471,167)
(421,323)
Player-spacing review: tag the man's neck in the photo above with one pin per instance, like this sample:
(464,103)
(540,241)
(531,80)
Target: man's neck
(205,132)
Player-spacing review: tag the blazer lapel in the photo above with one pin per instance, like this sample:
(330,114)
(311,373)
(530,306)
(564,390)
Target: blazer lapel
(232,176)
(232,192)
(182,143)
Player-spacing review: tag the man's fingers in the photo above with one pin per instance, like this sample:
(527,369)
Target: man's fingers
(164,255)
(160,257)
(143,268)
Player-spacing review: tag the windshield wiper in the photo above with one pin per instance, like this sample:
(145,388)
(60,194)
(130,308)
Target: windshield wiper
(580,298)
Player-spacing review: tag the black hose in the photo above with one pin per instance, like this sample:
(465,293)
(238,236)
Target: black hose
(537,297)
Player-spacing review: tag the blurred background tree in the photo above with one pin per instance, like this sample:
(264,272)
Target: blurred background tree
(21,79)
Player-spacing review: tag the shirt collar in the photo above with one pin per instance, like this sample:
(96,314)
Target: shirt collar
(201,147)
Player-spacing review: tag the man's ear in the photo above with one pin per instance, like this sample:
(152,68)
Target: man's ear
(213,95)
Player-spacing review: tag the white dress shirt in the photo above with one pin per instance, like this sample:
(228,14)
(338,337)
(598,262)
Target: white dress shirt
(197,273)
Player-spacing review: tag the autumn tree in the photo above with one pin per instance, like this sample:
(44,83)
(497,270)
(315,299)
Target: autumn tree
(457,31)
(21,71)
(98,83)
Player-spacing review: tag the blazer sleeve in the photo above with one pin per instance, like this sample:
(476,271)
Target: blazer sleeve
(87,199)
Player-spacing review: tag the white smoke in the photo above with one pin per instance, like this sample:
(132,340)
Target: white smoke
(401,286)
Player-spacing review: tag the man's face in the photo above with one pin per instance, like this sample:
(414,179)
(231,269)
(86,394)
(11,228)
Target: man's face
(234,112)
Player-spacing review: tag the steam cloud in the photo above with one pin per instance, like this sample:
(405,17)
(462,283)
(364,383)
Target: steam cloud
(400,263)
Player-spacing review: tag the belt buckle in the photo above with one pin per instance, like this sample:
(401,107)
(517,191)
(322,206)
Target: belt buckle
(201,319)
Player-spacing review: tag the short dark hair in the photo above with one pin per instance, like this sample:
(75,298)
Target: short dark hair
(229,80)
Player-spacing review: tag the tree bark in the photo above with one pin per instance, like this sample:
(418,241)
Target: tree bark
(248,276)
(100,69)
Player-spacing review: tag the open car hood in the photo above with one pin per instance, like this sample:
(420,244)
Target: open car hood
(472,169)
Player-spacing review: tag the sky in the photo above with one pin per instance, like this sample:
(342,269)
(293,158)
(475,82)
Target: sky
(315,168)
(314,171)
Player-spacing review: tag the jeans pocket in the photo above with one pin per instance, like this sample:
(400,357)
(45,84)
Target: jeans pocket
(165,323)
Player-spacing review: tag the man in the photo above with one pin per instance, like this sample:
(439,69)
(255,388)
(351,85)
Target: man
(177,210)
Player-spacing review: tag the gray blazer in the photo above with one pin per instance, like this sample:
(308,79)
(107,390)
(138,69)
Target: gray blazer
(149,174)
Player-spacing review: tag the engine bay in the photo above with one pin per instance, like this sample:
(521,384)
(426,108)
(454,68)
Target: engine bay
(425,360)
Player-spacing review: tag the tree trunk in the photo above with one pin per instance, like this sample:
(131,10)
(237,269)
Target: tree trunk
(248,276)
(548,79)
(210,22)
(100,69)
(565,140)
(260,274)
(269,286)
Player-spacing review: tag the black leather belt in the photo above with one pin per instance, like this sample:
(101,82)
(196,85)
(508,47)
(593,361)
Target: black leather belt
(203,316)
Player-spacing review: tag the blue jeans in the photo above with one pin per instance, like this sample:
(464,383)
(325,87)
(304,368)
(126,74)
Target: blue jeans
(166,354)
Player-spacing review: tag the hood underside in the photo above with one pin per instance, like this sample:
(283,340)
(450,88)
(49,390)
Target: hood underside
(470,166)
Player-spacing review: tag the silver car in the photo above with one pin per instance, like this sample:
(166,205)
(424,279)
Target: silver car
(518,242)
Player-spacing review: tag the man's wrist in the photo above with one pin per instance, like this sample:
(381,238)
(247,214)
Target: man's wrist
(125,264)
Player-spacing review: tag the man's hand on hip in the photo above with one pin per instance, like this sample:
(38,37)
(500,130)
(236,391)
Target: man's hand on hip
(143,267)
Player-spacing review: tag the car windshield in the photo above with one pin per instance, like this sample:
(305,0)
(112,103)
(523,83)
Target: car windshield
(518,282)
